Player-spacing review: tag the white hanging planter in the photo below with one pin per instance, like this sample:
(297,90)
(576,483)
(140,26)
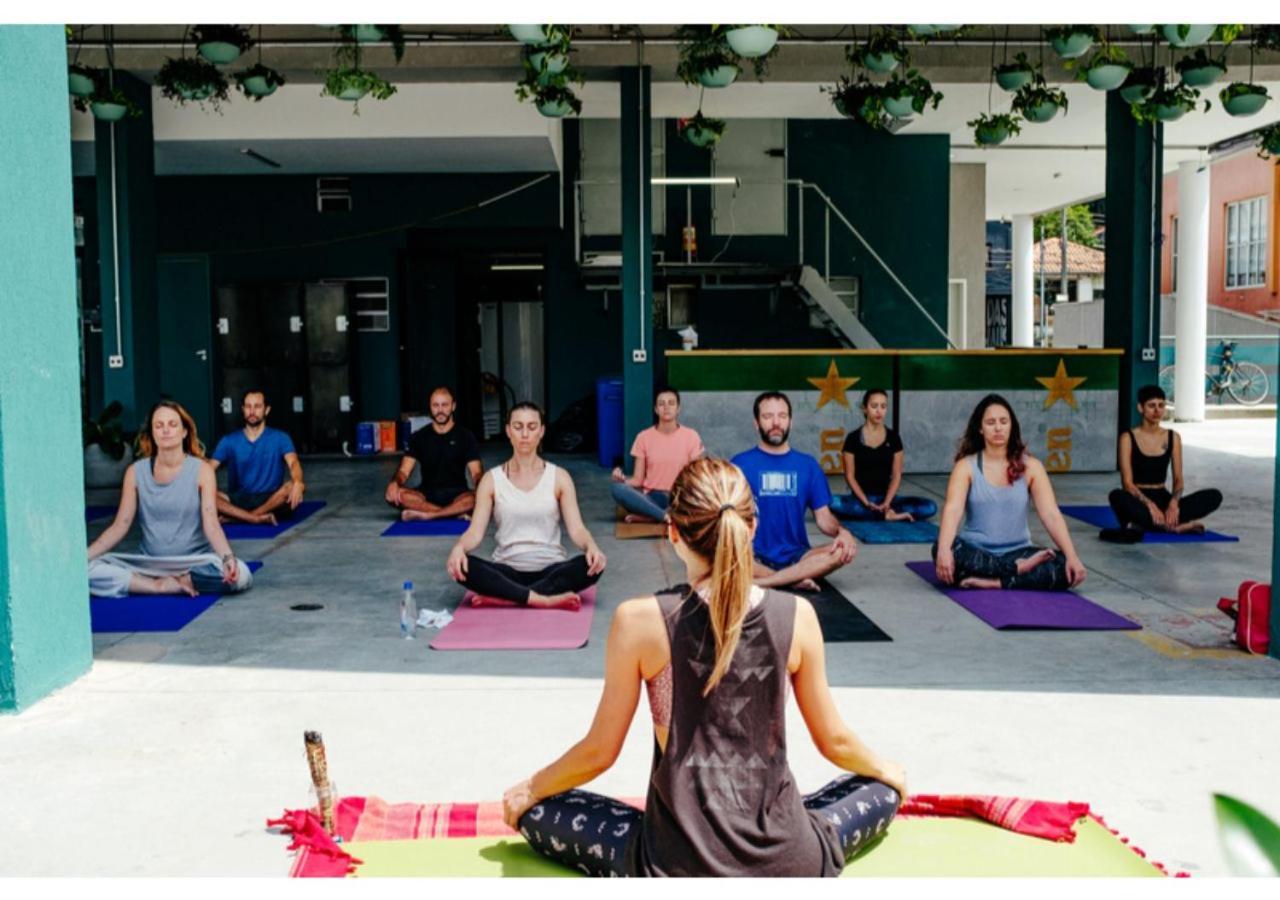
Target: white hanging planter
(751,41)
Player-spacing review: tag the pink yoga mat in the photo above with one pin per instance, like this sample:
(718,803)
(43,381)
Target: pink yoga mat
(517,627)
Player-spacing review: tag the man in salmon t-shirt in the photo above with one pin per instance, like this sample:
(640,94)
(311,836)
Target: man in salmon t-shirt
(660,451)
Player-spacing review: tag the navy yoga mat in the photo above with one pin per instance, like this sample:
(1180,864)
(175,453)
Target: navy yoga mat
(1029,610)
(1104,517)
(432,528)
(150,612)
(841,621)
(93,513)
(879,532)
(241,531)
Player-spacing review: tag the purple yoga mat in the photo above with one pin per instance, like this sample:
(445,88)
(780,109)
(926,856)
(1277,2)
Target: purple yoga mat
(1029,610)
(517,627)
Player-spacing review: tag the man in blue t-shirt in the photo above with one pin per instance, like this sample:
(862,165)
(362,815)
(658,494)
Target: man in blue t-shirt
(785,482)
(264,477)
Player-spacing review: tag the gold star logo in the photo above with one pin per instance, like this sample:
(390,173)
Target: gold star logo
(1061,387)
(833,386)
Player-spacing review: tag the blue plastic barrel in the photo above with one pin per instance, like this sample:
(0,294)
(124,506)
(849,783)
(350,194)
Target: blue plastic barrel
(609,419)
(366,438)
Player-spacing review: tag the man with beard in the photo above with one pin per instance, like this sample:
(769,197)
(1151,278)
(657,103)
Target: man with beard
(256,458)
(447,453)
(785,482)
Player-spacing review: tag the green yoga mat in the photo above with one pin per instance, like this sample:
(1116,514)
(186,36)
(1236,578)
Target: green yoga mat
(915,848)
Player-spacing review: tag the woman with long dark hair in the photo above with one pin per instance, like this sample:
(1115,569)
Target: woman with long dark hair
(993,480)
(718,656)
(174,493)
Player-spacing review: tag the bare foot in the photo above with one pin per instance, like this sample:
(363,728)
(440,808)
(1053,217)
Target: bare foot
(986,584)
(415,515)
(180,584)
(266,519)
(479,600)
(568,600)
(892,516)
(1030,562)
(1190,528)
(807,585)
(465,517)
(633,519)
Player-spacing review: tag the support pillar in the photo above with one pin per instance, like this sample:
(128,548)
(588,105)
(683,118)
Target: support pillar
(125,182)
(44,611)
(1022,313)
(1192,315)
(1274,649)
(637,256)
(1131,316)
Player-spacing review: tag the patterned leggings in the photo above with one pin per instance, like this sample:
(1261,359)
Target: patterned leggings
(974,562)
(592,833)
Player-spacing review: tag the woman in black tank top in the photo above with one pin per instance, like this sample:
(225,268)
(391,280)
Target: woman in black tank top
(721,799)
(1143,502)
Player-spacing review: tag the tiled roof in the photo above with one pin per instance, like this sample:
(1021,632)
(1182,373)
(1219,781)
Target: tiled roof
(1081,260)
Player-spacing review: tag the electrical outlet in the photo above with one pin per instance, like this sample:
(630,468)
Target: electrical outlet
(115,361)
(639,356)
(1148,354)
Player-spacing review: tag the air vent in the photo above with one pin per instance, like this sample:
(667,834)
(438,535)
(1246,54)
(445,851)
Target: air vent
(333,194)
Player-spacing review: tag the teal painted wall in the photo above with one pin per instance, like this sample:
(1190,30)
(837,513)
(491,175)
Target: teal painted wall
(44,608)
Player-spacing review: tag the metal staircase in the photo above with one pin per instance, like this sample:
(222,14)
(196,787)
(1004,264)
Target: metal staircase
(830,310)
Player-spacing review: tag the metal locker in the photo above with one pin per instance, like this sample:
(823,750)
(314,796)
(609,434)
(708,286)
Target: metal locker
(283,340)
(237,326)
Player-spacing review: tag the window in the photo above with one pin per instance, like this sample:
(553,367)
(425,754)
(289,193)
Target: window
(1247,243)
(1173,255)
(370,302)
(601,163)
(333,194)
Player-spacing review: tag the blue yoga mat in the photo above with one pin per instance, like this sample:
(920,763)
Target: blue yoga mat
(432,528)
(1104,517)
(880,532)
(93,513)
(242,531)
(150,612)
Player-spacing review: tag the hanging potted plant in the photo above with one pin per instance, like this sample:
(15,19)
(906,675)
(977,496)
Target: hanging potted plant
(752,41)
(374,34)
(1169,103)
(1107,69)
(1013,75)
(990,129)
(550,58)
(701,131)
(353,84)
(1037,102)
(192,79)
(1269,141)
(1266,37)
(1243,99)
(705,57)
(1200,69)
(82,81)
(880,54)
(108,104)
(1143,29)
(553,96)
(1140,84)
(907,95)
(259,81)
(1187,35)
(860,99)
(533,35)
(1072,41)
(221,44)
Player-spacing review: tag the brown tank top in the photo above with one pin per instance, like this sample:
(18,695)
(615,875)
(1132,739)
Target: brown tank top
(722,799)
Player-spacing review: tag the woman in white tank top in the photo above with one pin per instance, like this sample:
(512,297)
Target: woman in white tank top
(528,498)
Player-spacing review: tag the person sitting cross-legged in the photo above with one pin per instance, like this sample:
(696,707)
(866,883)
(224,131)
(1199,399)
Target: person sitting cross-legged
(785,483)
(873,458)
(447,453)
(264,476)
(660,453)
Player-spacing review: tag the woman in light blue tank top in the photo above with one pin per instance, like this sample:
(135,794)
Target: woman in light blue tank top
(173,492)
(991,484)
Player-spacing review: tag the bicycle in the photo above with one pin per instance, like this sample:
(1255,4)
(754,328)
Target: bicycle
(1246,382)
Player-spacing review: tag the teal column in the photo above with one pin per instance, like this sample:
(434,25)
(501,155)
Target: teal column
(44,607)
(125,180)
(1131,314)
(637,256)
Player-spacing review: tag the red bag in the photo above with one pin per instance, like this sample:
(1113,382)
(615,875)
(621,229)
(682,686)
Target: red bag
(1252,611)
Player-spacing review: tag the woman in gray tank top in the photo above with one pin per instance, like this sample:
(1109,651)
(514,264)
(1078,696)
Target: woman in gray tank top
(991,484)
(719,656)
(173,492)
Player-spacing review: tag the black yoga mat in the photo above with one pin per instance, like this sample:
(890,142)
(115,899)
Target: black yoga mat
(841,621)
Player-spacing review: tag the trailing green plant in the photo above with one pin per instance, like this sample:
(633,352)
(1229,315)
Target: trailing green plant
(553,90)
(272,78)
(1141,80)
(1250,840)
(1226,34)
(94,75)
(107,94)
(884,42)
(237,35)
(1037,93)
(193,79)
(913,84)
(860,99)
(1198,60)
(1167,95)
(392,33)
(702,48)
(1240,89)
(351,79)
(698,123)
(1057,34)
(759,64)
(107,431)
(990,124)
(1269,141)
(1107,54)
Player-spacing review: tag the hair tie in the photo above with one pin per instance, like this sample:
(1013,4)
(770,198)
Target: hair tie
(725,507)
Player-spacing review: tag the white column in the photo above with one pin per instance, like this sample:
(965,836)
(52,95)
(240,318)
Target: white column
(1022,314)
(1084,289)
(1192,315)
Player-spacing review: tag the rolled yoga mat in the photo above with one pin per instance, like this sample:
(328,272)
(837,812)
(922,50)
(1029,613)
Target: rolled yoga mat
(841,621)
(150,612)
(879,532)
(430,528)
(1029,610)
(517,627)
(1105,517)
(242,531)
(912,848)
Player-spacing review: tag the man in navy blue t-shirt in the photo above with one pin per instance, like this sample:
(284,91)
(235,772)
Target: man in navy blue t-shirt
(264,477)
(785,483)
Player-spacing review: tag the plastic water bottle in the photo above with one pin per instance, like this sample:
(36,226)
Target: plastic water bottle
(408,612)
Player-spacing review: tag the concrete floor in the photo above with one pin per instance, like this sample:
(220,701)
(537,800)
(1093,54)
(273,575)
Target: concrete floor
(169,755)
